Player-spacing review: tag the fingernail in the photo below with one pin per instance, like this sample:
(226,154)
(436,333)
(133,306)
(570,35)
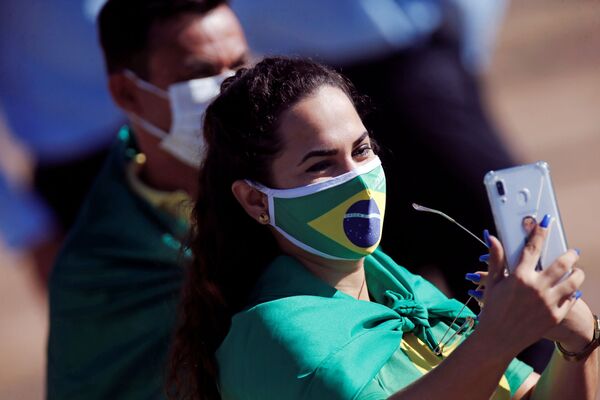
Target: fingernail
(484,258)
(546,221)
(578,252)
(578,294)
(486,238)
(478,294)
(473,277)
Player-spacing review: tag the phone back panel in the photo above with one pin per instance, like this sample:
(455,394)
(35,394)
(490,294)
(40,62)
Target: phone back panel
(516,194)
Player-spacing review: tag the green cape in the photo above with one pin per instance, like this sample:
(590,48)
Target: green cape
(114,292)
(302,339)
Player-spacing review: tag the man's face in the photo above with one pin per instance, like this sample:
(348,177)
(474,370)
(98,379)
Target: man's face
(188,47)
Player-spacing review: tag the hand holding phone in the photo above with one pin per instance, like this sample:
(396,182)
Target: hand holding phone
(519,198)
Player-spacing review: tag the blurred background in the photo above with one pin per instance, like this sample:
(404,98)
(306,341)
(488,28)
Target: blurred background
(543,90)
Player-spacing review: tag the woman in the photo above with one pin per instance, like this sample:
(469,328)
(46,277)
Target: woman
(289,297)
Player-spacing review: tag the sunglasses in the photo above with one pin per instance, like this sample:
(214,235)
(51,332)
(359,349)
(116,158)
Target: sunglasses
(469,324)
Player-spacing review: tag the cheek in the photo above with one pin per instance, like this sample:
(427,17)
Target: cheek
(279,174)
(157,111)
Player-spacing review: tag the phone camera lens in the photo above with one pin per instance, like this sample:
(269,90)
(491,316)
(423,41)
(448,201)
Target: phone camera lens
(500,188)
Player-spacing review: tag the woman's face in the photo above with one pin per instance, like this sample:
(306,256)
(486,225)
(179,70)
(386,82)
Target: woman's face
(322,137)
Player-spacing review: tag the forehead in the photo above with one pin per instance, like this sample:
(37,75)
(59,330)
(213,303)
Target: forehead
(194,45)
(325,119)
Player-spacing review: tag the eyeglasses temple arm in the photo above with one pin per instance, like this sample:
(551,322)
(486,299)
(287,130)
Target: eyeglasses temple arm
(433,211)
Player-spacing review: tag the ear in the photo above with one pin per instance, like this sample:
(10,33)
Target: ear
(254,202)
(124,92)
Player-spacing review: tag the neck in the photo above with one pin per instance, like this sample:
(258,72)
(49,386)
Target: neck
(167,177)
(346,276)
(161,170)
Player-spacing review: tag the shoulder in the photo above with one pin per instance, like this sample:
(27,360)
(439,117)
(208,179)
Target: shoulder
(264,352)
(296,328)
(305,344)
(107,204)
(116,236)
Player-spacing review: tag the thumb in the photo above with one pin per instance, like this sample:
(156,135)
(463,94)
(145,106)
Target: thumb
(496,262)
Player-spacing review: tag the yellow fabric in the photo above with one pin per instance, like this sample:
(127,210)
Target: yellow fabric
(329,225)
(425,360)
(177,204)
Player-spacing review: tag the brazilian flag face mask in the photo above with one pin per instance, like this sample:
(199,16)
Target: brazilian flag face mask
(340,218)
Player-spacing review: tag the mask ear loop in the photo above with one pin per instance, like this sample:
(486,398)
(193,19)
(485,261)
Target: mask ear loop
(145,85)
(469,321)
(267,192)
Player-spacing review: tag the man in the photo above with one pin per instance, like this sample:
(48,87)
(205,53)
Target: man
(114,289)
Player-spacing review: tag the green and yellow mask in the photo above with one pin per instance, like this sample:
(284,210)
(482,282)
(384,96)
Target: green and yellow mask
(340,218)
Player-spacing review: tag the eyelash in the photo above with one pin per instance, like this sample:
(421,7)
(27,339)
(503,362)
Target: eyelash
(322,165)
(362,150)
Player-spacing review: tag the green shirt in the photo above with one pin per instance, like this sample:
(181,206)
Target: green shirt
(300,338)
(114,292)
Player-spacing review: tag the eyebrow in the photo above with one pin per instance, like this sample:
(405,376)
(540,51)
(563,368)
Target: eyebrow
(199,68)
(331,152)
(242,60)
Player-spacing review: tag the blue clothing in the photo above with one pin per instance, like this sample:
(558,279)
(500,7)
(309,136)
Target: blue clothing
(52,83)
(346,31)
(23,218)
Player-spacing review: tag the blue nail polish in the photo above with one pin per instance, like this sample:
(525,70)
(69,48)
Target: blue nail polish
(478,294)
(473,277)
(486,238)
(546,221)
(578,294)
(484,258)
(578,252)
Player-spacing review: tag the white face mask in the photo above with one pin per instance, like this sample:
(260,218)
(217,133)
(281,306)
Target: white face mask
(188,101)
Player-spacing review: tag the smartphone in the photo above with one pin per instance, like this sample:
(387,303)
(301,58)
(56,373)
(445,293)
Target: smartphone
(519,198)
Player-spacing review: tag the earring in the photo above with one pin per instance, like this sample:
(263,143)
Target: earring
(263,218)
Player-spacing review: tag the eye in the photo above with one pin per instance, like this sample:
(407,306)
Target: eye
(320,166)
(362,151)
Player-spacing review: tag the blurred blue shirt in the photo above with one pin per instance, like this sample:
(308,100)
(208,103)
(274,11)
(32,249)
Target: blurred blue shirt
(346,31)
(24,220)
(52,80)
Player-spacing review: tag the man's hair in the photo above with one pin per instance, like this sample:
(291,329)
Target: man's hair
(125,26)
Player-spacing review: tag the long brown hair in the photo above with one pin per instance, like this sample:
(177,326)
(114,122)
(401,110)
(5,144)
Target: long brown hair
(230,248)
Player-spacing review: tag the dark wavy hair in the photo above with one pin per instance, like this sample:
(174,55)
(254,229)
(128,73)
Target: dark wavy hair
(230,248)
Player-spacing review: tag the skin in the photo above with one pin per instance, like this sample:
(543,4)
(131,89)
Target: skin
(528,224)
(324,137)
(16,162)
(519,309)
(187,47)
(560,378)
